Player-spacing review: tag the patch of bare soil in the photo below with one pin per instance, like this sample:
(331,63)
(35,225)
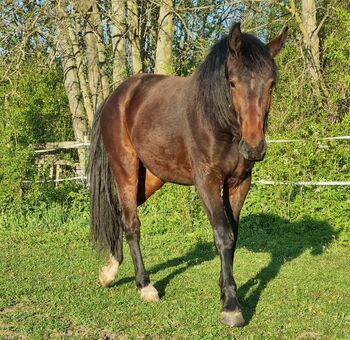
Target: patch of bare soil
(309,335)
(20,307)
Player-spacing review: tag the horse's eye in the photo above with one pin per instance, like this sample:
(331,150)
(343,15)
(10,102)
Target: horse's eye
(232,84)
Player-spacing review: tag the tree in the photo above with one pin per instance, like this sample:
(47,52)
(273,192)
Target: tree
(309,28)
(118,41)
(71,79)
(134,35)
(96,45)
(311,38)
(164,52)
(95,51)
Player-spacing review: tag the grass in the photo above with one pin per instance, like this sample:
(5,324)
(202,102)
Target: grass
(292,270)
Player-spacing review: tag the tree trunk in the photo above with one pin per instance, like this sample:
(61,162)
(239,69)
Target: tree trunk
(101,51)
(164,55)
(80,70)
(88,10)
(71,80)
(309,29)
(310,24)
(134,35)
(118,41)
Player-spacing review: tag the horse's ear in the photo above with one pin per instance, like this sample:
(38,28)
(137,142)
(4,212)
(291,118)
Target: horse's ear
(235,39)
(276,44)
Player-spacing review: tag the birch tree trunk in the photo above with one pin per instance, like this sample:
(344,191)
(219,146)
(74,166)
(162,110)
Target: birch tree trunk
(71,80)
(134,35)
(118,41)
(164,55)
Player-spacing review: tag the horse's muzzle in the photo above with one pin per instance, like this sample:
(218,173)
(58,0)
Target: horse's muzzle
(256,153)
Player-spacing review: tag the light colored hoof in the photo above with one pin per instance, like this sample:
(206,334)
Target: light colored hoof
(109,272)
(232,319)
(149,293)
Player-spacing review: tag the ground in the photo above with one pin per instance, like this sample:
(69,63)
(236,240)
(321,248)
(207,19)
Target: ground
(292,276)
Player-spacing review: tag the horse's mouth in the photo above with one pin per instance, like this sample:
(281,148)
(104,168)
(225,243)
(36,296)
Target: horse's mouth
(252,153)
(255,158)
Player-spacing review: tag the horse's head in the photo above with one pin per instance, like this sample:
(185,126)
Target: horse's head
(252,74)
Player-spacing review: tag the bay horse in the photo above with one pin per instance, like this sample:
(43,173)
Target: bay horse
(205,130)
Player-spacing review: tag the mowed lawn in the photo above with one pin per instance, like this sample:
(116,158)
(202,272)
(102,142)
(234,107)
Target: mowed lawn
(293,281)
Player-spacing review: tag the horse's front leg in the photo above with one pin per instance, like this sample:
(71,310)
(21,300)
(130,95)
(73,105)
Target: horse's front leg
(234,195)
(209,189)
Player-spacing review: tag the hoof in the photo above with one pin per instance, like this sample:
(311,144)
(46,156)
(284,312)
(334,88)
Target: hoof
(108,273)
(149,293)
(232,319)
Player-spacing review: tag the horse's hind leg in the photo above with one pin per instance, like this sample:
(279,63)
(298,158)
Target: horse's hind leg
(127,185)
(125,167)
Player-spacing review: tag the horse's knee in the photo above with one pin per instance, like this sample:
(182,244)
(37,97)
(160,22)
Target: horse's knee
(224,238)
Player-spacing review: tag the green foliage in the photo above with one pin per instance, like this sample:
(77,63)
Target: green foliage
(337,60)
(306,161)
(14,169)
(198,29)
(178,208)
(34,108)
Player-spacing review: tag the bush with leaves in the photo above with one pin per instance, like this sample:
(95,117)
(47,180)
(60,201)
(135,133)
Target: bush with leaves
(34,110)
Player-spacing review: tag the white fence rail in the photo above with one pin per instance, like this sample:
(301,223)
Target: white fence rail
(50,147)
(307,140)
(303,183)
(55,146)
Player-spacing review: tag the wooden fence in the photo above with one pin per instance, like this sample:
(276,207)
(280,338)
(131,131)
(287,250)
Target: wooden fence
(47,158)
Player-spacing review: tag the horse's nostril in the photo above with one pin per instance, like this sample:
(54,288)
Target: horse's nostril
(262,146)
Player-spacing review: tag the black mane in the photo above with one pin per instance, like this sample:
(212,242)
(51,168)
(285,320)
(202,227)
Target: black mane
(212,79)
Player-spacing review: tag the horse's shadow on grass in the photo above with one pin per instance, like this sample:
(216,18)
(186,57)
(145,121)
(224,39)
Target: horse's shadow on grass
(284,241)
(266,233)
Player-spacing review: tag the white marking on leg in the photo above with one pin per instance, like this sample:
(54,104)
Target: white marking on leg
(149,293)
(109,272)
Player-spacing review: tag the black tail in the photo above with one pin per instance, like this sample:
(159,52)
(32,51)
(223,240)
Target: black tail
(105,212)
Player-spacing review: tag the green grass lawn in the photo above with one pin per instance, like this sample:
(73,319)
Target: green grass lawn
(292,273)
